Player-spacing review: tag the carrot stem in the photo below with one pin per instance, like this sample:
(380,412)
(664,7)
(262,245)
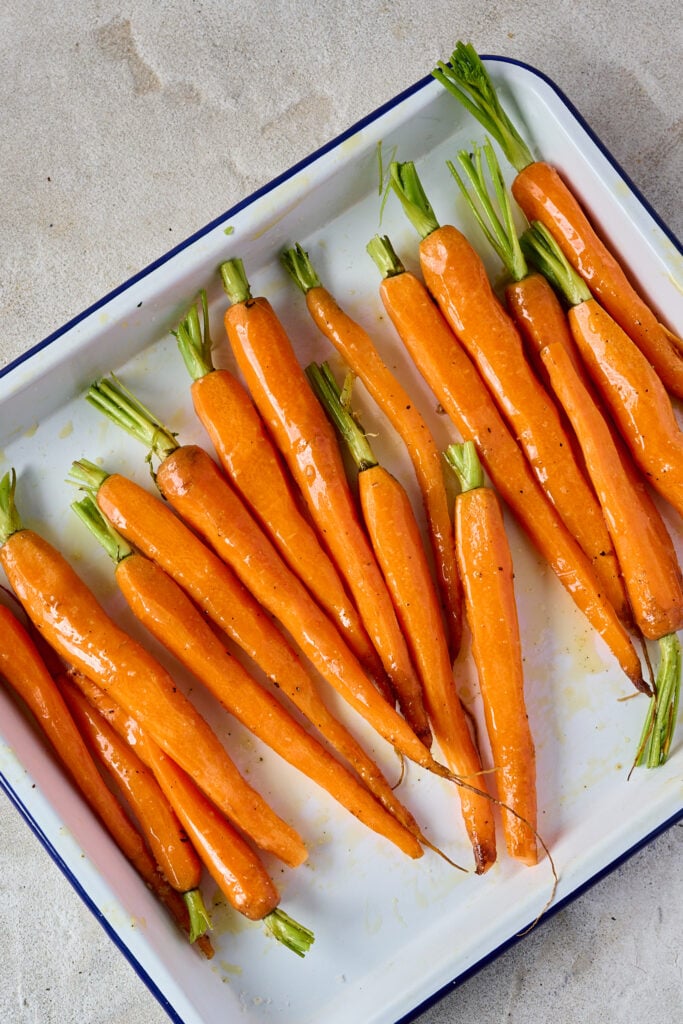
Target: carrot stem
(464,460)
(122,407)
(466,78)
(194,340)
(542,249)
(113,543)
(9,517)
(335,402)
(297,262)
(660,723)
(200,922)
(289,932)
(235,281)
(382,252)
(404,180)
(497,225)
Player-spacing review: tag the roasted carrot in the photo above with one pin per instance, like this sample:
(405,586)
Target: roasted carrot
(151,526)
(231,861)
(397,542)
(646,551)
(627,383)
(168,841)
(360,353)
(255,468)
(545,196)
(170,615)
(66,612)
(22,666)
(456,277)
(192,483)
(278,385)
(453,378)
(487,575)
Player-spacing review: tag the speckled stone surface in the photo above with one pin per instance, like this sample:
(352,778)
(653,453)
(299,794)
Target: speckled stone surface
(127,127)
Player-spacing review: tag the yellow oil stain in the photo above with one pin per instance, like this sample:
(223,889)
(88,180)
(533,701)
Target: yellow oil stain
(67,430)
(31,431)
(228,968)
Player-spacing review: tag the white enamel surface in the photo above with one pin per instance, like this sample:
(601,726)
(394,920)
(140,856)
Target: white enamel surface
(389,932)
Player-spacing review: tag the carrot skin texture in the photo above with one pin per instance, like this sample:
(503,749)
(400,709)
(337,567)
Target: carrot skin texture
(635,396)
(169,843)
(543,196)
(396,540)
(150,525)
(24,669)
(449,372)
(646,552)
(487,574)
(173,619)
(308,443)
(66,612)
(456,276)
(243,877)
(358,350)
(254,466)
(192,483)
(233,865)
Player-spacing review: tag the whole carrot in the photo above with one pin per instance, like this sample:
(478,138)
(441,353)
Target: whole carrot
(456,277)
(278,385)
(487,574)
(396,540)
(22,666)
(170,615)
(232,862)
(193,484)
(453,378)
(545,196)
(361,354)
(151,526)
(255,469)
(89,640)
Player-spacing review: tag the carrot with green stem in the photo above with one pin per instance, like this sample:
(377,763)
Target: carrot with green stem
(456,277)
(307,441)
(566,482)
(646,552)
(230,860)
(459,388)
(169,843)
(170,615)
(152,527)
(360,353)
(627,383)
(24,669)
(193,484)
(545,196)
(398,545)
(255,469)
(487,575)
(65,611)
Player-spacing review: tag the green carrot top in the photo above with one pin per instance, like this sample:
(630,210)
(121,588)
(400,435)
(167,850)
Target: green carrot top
(121,406)
(543,251)
(10,520)
(405,182)
(467,79)
(297,263)
(336,403)
(194,339)
(464,461)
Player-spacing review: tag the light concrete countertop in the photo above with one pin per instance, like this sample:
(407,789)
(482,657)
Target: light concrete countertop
(127,127)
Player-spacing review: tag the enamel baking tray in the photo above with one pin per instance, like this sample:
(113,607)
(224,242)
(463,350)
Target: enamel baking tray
(390,933)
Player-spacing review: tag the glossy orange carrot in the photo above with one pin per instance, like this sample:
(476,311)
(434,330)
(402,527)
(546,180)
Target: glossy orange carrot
(453,378)
(487,574)
(170,615)
(150,525)
(360,353)
(561,471)
(627,383)
(65,611)
(231,861)
(456,277)
(397,542)
(256,470)
(545,196)
(169,843)
(22,666)
(278,385)
(193,484)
